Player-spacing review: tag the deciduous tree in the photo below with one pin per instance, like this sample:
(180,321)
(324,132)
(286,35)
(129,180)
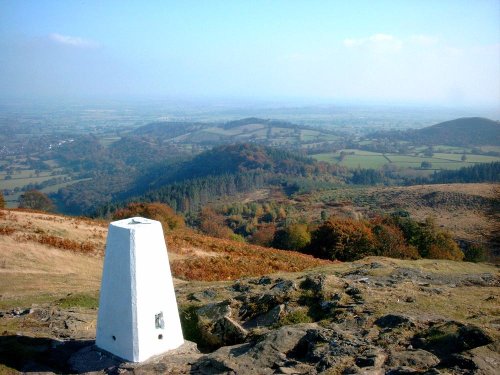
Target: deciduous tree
(342,239)
(293,237)
(36,200)
(155,211)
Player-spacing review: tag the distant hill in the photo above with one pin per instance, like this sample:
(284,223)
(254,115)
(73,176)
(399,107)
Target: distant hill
(466,131)
(250,130)
(242,158)
(169,129)
(461,132)
(223,171)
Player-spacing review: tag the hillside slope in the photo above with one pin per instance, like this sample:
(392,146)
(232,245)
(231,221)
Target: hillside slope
(254,130)
(58,253)
(377,315)
(467,131)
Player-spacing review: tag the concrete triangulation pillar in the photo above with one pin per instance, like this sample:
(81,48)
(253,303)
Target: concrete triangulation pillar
(138,316)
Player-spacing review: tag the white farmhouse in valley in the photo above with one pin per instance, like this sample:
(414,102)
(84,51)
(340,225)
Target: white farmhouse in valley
(138,316)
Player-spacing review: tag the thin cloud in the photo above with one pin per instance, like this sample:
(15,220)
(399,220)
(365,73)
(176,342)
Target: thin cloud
(385,41)
(424,40)
(73,41)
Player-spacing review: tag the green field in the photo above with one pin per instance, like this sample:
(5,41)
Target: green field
(55,188)
(23,178)
(364,161)
(368,159)
(490,148)
(12,200)
(107,141)
(470,158)
(328,157)
(449,149)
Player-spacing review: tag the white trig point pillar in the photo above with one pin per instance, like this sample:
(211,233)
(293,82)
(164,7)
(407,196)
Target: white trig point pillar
(138,316)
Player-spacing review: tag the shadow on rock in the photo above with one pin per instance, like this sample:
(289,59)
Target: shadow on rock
(39,354)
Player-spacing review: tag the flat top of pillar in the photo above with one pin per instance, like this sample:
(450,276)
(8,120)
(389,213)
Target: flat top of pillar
(134,223)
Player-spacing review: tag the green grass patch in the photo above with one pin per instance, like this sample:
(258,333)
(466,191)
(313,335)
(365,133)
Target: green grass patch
(55,188)
(51,163)
(25,301)
(361,152)
(445,149)
(364,161)
(79,300)
(108,141)
(19,182)
(471,158)
(277,131)
(300,315)
(449,164)
(490,148)
(328,157)
(407,159)
(482,159)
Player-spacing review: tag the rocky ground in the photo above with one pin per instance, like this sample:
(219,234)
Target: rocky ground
(376,316)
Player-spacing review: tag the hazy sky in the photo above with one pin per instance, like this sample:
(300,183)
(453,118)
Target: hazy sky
(429,51)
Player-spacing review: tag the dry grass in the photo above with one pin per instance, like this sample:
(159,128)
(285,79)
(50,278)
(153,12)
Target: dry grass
(37,273)
(44,257)
(209,259)
(464,220)
(463,209)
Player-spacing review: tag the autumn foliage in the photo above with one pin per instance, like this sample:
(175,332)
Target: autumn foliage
(393,236)
(155,211)
(342,239)
(36,200)
(229,260)
(212,224)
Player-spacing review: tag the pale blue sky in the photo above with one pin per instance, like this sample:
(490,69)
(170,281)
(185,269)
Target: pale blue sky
(422,51)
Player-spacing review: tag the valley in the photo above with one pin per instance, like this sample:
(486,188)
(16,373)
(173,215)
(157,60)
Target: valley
(289,176)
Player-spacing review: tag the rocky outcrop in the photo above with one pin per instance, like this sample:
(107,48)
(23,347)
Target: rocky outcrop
(317,323)
(217,325)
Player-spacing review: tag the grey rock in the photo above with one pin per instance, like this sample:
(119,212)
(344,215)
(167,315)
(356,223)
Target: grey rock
(254,305)
(484,360)
(372,357)
(432,371)
(240,287)
(351,370)
(267,319)
(451,337)
(264,280)
(394,320)
(371,371)
(316,283)
(208,294)
(322,285)
(218,327)
(18,311)
(225,331)
(214,311)
(298,369)
(418,359)
(284,286)
(255,358)
(328,306)
(403,370)
(92,360)
(353,291)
